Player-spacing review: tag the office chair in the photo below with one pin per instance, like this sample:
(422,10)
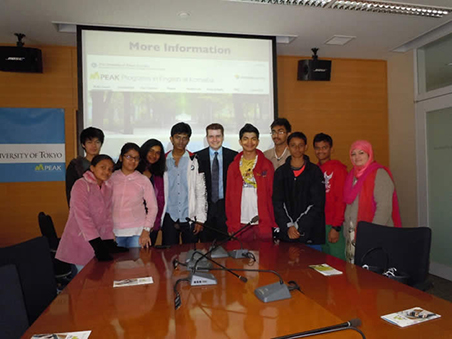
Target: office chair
(13,315)
(48,230)
(407,249)
(35,270)
(63,271)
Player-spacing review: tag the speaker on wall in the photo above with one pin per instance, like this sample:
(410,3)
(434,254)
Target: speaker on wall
(314,70)
(20,59)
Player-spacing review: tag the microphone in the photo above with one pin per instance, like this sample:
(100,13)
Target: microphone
(210,228)
(234,253)
(351,324)
(240,230)
(219,251)
(241,253)
(267,293)
(195,267)
(252,221)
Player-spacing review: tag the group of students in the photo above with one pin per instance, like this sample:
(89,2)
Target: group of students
(212,193)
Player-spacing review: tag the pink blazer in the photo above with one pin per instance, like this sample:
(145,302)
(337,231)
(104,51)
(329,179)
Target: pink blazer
(89,218)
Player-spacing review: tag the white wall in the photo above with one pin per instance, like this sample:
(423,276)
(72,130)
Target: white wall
(402,145)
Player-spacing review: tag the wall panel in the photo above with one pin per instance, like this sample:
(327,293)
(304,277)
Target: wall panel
(20,203)
(353,105)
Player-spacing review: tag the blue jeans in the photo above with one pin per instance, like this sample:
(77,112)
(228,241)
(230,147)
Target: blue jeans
(128,242)
(79,268)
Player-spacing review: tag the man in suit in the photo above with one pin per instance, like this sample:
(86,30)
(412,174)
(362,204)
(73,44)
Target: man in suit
(214,162)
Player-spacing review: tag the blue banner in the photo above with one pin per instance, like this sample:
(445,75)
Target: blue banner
(32,144)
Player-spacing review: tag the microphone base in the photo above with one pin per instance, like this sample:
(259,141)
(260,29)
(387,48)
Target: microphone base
(193,255)
(219,252)
(238,254)
(202,279)
(203,264)
(272,292)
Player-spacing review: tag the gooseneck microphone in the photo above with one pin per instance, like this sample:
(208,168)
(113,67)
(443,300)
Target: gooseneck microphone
(348,325)
(252,221)
(222,267)
(267,293)
(219,251)
(212,229)
(281,281)
(230,236)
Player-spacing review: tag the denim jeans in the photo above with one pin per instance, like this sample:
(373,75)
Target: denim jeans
(128,242)
(79,268)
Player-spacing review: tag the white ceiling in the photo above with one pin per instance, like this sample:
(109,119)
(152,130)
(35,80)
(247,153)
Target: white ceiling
(376,34)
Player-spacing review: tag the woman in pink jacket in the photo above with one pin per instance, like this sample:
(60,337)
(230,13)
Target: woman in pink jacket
(89,229)
(134,202)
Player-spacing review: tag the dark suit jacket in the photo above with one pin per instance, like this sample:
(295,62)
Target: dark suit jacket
(204,166)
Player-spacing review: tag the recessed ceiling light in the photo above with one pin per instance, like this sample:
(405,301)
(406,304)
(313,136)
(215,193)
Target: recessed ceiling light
(64,27)
(285,39)
(339,40)
(183,15)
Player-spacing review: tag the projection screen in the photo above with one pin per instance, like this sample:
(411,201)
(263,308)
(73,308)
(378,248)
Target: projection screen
(136,84)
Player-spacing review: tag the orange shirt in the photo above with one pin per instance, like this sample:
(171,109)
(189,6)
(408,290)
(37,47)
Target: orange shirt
(299,171)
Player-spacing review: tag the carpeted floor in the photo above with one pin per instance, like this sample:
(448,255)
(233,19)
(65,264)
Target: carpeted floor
(442,288)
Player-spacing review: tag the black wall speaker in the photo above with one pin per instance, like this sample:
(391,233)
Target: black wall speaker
(314,70)
(20,59)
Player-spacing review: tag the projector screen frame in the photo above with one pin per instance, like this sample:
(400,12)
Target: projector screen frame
(80,28)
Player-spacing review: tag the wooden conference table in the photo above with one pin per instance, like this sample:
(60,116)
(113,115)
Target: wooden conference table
(230,309)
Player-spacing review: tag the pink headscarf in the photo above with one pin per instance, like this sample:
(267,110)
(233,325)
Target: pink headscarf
(365,146)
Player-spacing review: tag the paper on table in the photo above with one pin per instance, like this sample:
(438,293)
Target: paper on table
(325,269)
(133,282)
(65,335)
(410,317)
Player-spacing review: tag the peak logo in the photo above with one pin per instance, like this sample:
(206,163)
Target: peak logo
(94,76)
(101,76)
(48,168)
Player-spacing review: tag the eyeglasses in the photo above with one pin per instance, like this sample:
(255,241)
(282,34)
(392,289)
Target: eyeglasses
(129,157)
(280,132)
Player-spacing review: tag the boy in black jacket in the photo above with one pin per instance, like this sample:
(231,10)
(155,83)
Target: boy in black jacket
(299,196)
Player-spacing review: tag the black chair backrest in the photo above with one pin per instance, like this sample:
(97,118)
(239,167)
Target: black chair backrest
(34,266)
(48,229)
(408,249)
(13,315)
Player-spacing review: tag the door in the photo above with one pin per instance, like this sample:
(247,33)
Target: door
(434,127)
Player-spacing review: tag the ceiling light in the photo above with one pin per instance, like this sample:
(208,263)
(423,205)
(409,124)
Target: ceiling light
(285,39)
(64,27)
(339,40)
(363,5)
(183,15)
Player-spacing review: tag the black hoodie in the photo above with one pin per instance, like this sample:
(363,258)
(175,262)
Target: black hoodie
(300,200)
